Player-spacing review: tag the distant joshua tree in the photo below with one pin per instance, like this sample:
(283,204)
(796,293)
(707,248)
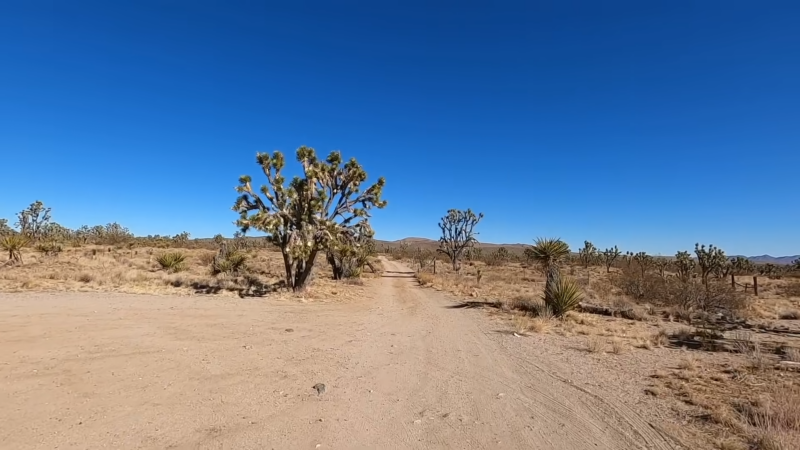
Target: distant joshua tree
(458,234)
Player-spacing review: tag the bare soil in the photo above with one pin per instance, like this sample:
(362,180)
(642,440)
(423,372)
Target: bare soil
(403,367)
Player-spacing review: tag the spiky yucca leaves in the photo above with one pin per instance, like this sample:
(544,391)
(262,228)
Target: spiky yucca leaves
(685,266)
(230,260)
(305,216)
(171,261)
(350,251)
(562,296)
(549,254)
(609,256)
(13,244)
(709,260)
(458,234)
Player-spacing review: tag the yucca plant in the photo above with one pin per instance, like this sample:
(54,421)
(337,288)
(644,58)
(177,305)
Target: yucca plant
(549,254)
(228,261)
(171,261)
(562,296)
(13,244)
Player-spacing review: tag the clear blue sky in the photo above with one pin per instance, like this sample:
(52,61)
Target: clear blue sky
(650,125)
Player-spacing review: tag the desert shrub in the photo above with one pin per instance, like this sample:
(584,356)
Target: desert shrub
(791,289)
(648,287)
(171,261)
(49,248)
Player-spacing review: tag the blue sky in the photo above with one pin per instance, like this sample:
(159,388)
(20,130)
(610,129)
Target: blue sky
(649,125)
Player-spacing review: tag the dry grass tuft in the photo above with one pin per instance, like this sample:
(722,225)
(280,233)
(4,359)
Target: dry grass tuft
(595,345)
(521,324)
(773,419)
(618,346)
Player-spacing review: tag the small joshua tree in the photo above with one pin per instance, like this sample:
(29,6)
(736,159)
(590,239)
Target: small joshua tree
(709,259)
(5,229)
(644,261)
(32,221)
(662,265)
(685,266)
(609,256)
(305,216)
(458,234)
(628,257)
(588,254)
(742,266)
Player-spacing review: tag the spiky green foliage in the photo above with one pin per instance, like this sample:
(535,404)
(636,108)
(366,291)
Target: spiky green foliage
(562,296)
(644,261)
(13,244)
(172,261)
(219,239)
(685,266)
(796,264)
(230,260)
(458,234)
(473,254)
(588,255)
(349,252)
(33,220)
(549,254)
(609,256)
(305,216)
(709,260)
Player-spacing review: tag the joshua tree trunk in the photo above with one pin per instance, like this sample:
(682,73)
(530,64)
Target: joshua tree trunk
(553,275)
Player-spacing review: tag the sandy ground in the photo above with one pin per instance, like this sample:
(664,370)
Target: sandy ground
(402,368)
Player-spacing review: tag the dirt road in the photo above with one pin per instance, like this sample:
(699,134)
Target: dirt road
(402,369)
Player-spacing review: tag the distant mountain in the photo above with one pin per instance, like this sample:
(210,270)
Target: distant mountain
(764,259)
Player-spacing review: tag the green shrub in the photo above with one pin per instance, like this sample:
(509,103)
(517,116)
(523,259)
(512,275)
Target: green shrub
(171,261)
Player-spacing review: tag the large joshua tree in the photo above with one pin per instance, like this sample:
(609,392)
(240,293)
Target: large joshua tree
(305,216)
(458,234)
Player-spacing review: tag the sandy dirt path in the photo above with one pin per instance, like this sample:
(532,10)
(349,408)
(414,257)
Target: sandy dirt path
(402,368)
